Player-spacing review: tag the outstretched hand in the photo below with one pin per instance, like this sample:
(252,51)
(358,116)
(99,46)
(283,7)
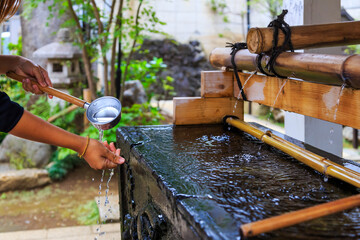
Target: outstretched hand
(102,155)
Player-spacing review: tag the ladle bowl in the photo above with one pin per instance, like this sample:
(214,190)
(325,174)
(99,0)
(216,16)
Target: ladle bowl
(104,113)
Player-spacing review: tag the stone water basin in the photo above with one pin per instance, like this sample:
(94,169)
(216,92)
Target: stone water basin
(204,182)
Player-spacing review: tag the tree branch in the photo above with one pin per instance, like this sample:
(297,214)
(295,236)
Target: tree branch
(85,55)
(118,23)
(102,45)
(132,49)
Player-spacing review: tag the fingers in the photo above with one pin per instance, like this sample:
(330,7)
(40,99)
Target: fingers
(112,147)
(106,145)
(113,157)
(46,76)
(30,87)
(39,76)
(109,165)
(47,79)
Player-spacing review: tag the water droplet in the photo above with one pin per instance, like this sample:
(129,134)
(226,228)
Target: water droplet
(331,142)
(331,131)
(92,179)
(326,178)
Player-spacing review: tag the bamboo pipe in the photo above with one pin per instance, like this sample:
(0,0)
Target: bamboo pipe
(50,90)
(260,40)
(320,68)
(295,217)
(329,168)
(314,161)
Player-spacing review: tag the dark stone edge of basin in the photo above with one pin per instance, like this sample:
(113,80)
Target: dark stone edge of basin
(171,195)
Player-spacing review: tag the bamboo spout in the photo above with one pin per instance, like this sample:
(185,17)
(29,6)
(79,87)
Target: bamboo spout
(303,215)
(260,40)
(320,68)
(313,160)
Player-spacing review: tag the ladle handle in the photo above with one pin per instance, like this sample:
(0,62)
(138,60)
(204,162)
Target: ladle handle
(50,90)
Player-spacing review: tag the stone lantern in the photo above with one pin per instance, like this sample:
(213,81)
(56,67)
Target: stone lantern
(62,61)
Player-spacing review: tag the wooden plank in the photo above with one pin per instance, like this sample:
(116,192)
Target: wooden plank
(310,99)
(197,110)
(217,84)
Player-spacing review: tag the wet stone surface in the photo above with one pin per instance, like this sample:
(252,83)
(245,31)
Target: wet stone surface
(225,179)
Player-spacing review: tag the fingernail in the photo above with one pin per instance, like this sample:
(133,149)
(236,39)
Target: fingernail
(121,160)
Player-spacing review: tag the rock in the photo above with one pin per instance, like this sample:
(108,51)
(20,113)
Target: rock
(134,93)
(5,167)
(27,151)
(348,134)
(23,179)
(184,64)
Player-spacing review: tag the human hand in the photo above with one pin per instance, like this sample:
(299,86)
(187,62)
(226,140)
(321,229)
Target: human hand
(25,67)
(102,156)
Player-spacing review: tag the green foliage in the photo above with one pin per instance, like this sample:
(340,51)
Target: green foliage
(2,136)
(148,73)
(88,213)
(16,48)
(3,196)
(14,90)
(218,6)
(273,7)
(62,165)
(20,161)
(352,49)
(131,30)
(140,114)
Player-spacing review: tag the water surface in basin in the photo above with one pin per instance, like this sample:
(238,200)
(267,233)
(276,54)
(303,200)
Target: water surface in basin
(228,178)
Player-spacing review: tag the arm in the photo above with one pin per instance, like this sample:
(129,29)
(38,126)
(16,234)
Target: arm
(97,155)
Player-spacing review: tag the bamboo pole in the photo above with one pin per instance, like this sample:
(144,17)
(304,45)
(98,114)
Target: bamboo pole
(320,68)
(260,40)
(314,161)
(295,217)
(62,112)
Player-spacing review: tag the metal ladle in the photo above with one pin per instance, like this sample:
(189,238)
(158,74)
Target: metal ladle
(104,113)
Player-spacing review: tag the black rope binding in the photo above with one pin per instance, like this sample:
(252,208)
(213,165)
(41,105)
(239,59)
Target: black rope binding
(235,47)
(278,23)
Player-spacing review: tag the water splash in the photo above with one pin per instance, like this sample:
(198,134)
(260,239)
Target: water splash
(338,100)
(107,187)
(98,230)
(326,178)
(276,98)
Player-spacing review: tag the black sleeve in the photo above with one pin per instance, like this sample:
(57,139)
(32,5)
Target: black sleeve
(10,113)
